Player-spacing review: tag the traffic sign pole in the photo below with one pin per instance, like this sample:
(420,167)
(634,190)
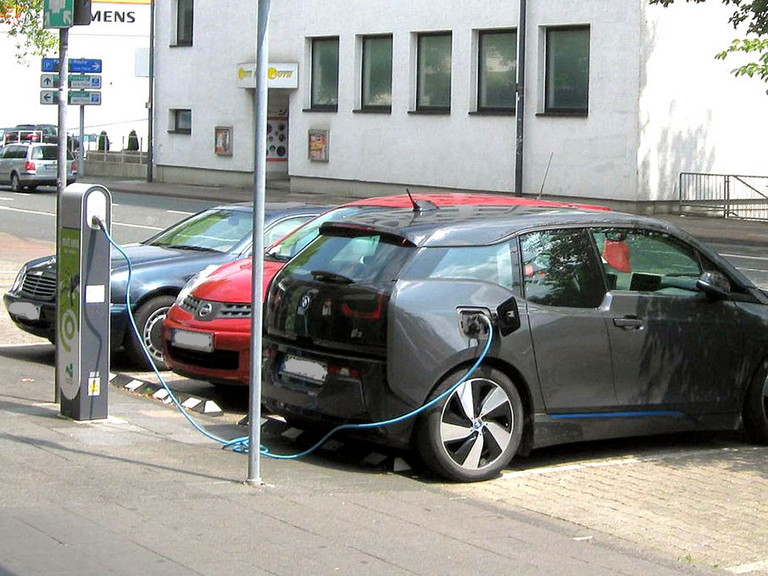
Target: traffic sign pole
(61,168)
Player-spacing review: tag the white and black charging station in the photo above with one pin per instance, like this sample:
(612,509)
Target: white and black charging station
(82,301)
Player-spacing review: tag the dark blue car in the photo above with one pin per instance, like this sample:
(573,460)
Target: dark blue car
(161,267)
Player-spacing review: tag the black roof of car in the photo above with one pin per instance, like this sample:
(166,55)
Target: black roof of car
(482,225)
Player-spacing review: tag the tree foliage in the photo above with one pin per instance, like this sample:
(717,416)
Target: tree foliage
(23,21)
(753,15)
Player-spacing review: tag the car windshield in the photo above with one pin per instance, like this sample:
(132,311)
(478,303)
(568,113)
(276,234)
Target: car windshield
(215,230)
(296,241)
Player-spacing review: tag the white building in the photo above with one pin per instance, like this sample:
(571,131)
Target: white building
(620,97)
(118,36)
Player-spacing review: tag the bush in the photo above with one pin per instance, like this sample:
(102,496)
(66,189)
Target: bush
(103,142)
(133,141)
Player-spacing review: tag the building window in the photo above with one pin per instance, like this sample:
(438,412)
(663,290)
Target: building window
(325,74)
(376,84)
(184,13)
(567,74)
(181,121)
(496,70)
(433,72)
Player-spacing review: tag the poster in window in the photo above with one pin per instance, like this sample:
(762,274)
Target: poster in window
(223,140)
(277,138)
(318,145)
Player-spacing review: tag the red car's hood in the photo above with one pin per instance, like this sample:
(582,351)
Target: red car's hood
(232,282)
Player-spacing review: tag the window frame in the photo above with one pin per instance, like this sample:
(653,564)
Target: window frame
(314,105)
(365,107)
(548,107)
(479,107)
(184,32)
(175,120)
(426,108)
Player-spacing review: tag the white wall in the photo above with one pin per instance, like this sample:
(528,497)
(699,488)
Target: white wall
(124,95)
(694,115)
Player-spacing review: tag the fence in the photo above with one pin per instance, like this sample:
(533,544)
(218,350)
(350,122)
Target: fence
(724,195)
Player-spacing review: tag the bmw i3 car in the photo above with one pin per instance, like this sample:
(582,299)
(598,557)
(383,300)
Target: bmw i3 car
(603,325)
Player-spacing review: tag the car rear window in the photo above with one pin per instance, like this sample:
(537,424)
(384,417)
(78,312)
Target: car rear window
(358,258)
(48,153)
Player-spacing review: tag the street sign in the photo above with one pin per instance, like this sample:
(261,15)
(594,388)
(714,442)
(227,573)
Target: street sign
(58,13)
(49,80)
(76,65)
(85,82)
(78,98)
(84,98)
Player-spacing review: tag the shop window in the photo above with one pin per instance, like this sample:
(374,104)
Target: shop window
(184,17)
(567,71)
(325,74)
(496,70)
(376,78)
(433,74)
(181,121)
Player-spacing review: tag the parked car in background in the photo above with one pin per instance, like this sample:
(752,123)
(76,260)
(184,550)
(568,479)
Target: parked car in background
(161,267)
(37,133)
(604,324)
(31,165)
(207,333)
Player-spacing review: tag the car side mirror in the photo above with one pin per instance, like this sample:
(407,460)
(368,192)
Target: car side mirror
(507,316)
(714,284)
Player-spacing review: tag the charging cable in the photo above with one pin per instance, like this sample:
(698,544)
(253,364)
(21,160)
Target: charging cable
(242,444)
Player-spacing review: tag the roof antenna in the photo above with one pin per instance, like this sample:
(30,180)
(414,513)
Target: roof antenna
(543,180)
(413,202)
(421,205)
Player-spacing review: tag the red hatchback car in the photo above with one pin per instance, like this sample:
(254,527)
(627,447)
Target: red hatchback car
(207,332)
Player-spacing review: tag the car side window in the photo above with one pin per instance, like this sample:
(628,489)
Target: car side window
(560,268)
(648,261)
(489,263)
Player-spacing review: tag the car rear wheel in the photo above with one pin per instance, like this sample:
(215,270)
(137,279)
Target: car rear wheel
(476,431)
(149,320)
(16,183)
(755,413)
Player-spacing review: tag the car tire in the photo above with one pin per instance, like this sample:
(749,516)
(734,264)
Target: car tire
(755,412)
(149,321)
(16,183)
(476,431)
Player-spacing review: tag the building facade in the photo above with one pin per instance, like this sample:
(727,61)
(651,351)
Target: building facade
(619,97)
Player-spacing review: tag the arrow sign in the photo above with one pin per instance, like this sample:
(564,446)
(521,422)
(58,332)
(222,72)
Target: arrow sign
(49,96)
(49,81)
(58,13)
(76,65)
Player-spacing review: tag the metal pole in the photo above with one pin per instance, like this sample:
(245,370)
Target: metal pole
(151,97)
(259,190)
(81,144)
(61,163)
(520,104)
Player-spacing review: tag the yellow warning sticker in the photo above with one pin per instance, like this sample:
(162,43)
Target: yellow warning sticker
(94,384)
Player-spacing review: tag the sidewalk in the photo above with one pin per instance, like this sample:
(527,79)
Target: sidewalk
(711,230)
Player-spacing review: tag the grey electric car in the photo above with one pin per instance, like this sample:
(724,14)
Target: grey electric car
(603,325)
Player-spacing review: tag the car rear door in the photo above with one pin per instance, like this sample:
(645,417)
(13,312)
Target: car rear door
(672,347)
(564,289)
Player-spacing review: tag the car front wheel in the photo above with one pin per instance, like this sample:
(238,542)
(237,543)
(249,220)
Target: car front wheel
(755,413)
(149,320)
(476,431)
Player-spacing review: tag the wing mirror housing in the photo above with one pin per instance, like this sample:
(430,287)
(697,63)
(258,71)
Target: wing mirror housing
(714,284)
(507,316)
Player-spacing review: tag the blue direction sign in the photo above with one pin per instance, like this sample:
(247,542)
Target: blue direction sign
(76,65)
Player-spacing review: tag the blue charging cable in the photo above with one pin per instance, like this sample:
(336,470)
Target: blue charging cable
(242,444)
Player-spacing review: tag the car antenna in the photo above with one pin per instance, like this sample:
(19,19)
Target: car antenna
(421,205)
(543,180)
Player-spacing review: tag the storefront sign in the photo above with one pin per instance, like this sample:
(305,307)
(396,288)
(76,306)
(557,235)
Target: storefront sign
(278,75)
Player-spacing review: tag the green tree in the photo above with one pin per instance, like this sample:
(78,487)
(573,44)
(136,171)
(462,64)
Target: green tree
(754,15)
(23,20)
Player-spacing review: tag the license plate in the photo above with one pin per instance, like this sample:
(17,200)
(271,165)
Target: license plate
(25,310)
(200,341)
(307,369)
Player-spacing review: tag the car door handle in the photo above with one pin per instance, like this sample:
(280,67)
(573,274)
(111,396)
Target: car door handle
(628,323)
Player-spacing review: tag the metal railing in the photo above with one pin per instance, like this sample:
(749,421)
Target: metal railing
(724,195)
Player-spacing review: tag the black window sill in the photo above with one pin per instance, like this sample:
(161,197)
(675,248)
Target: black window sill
(184,132)
(321,109)
(431,111)
(181,45)
(492,112)
(565,113)
(373,110)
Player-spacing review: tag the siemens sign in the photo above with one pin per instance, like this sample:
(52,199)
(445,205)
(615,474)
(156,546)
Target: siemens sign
(116,16)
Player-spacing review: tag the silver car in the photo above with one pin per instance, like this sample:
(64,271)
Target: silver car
(32,165)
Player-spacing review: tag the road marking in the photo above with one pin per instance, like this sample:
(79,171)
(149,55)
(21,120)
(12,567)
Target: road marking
(747,568)
(137,226)
(182,212)
(570,467)
(26,211)
(6,199)
(3,346)
(744,257)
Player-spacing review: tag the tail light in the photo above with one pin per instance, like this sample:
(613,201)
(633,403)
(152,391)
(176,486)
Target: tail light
(343,371)
(368,308)
(30,166)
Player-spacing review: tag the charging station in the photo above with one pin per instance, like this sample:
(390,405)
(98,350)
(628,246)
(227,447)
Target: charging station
(82,301)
